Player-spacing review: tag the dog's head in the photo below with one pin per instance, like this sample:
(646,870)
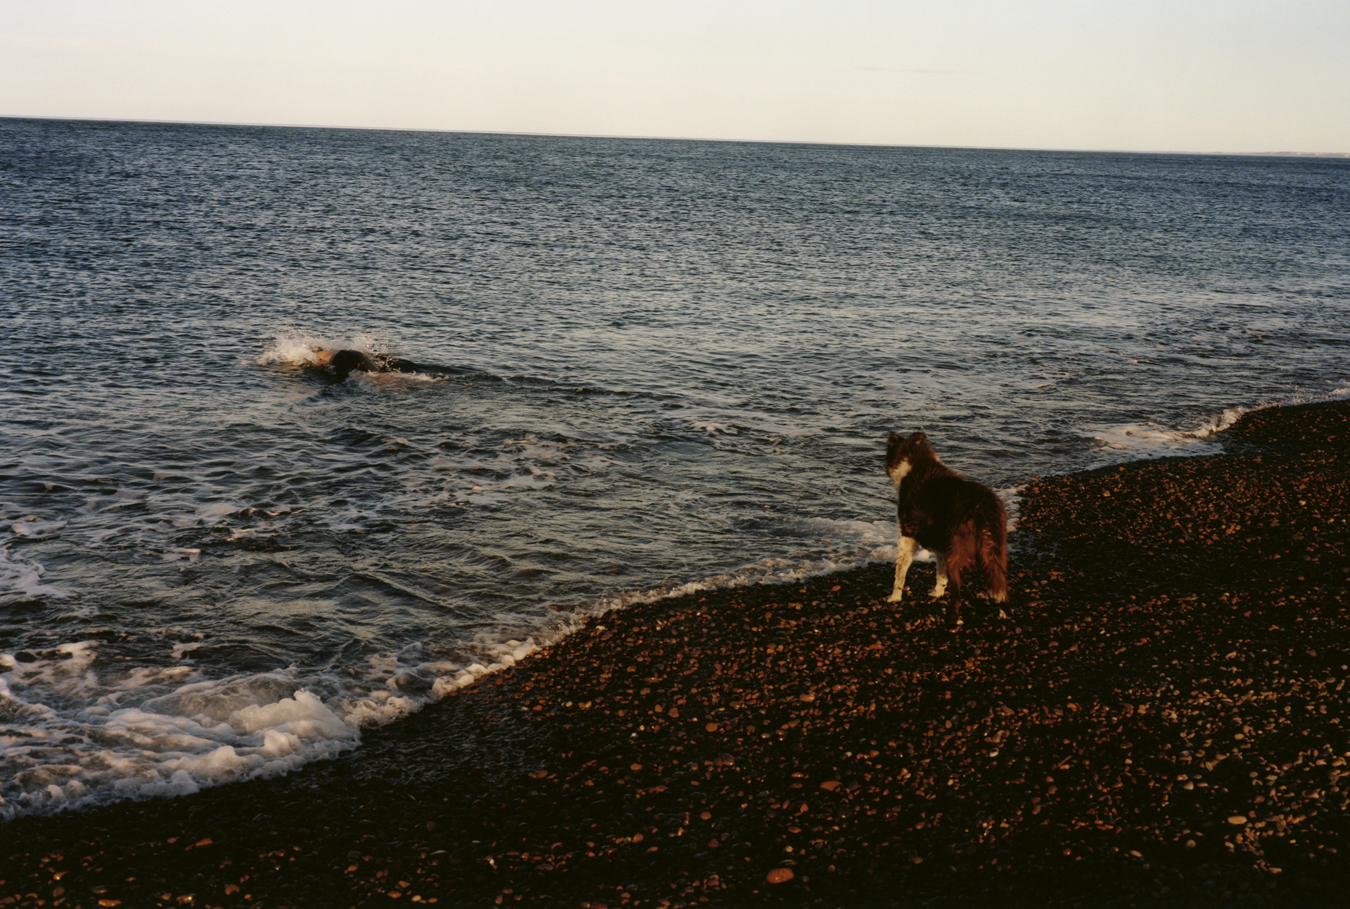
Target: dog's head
(346,362)
(902,453)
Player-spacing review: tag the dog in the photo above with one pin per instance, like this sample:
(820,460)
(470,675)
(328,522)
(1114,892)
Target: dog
(958,520)
(339,364)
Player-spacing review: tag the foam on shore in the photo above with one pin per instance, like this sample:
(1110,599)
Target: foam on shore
(83,733)
(1135,441)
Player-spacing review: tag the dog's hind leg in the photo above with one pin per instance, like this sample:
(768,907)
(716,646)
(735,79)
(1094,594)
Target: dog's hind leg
(959,558)
(994,555)
(904,555)
(954,575)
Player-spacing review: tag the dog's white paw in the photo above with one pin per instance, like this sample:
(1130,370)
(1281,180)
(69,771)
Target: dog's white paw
(938,592)
(894,597)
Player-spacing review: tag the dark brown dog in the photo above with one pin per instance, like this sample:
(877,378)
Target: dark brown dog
(958,520)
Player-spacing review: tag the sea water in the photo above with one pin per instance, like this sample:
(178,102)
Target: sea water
(643,367)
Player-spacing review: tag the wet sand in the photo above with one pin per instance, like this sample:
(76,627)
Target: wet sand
(1162,721)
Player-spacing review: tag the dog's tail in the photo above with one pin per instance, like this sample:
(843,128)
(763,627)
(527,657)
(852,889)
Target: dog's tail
(994,556)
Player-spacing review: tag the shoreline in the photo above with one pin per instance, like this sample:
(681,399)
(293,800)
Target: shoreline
(1161,722)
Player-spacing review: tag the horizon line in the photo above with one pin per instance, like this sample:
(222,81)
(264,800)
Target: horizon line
(655,138)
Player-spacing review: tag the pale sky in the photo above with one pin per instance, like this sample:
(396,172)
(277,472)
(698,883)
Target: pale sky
(1136,75)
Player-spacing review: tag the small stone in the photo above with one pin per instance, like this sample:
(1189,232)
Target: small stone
(1237,820)
(779,876)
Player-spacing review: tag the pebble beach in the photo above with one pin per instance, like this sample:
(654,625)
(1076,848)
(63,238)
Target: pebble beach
(1159,720)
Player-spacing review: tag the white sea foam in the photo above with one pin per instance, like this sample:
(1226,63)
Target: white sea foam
(180,651)
(79,731)
(1012,504)
(135,752)
(35,528)
(1144,440)
(1148,440)
(20,575)
(297,347)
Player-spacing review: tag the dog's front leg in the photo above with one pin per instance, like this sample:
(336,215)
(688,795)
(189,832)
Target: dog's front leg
(940,585)
(904,555)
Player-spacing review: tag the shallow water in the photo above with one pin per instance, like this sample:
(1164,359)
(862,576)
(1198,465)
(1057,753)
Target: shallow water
(644,365)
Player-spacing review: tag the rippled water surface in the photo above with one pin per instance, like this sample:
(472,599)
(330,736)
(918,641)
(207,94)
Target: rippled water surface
(641,365)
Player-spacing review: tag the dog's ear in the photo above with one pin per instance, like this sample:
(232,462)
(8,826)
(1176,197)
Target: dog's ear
(919,438)
(893,445)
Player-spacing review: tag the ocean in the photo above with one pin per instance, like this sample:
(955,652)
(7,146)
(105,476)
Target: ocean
(643,367)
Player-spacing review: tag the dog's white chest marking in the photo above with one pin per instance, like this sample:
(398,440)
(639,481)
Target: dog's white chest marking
(906,546)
